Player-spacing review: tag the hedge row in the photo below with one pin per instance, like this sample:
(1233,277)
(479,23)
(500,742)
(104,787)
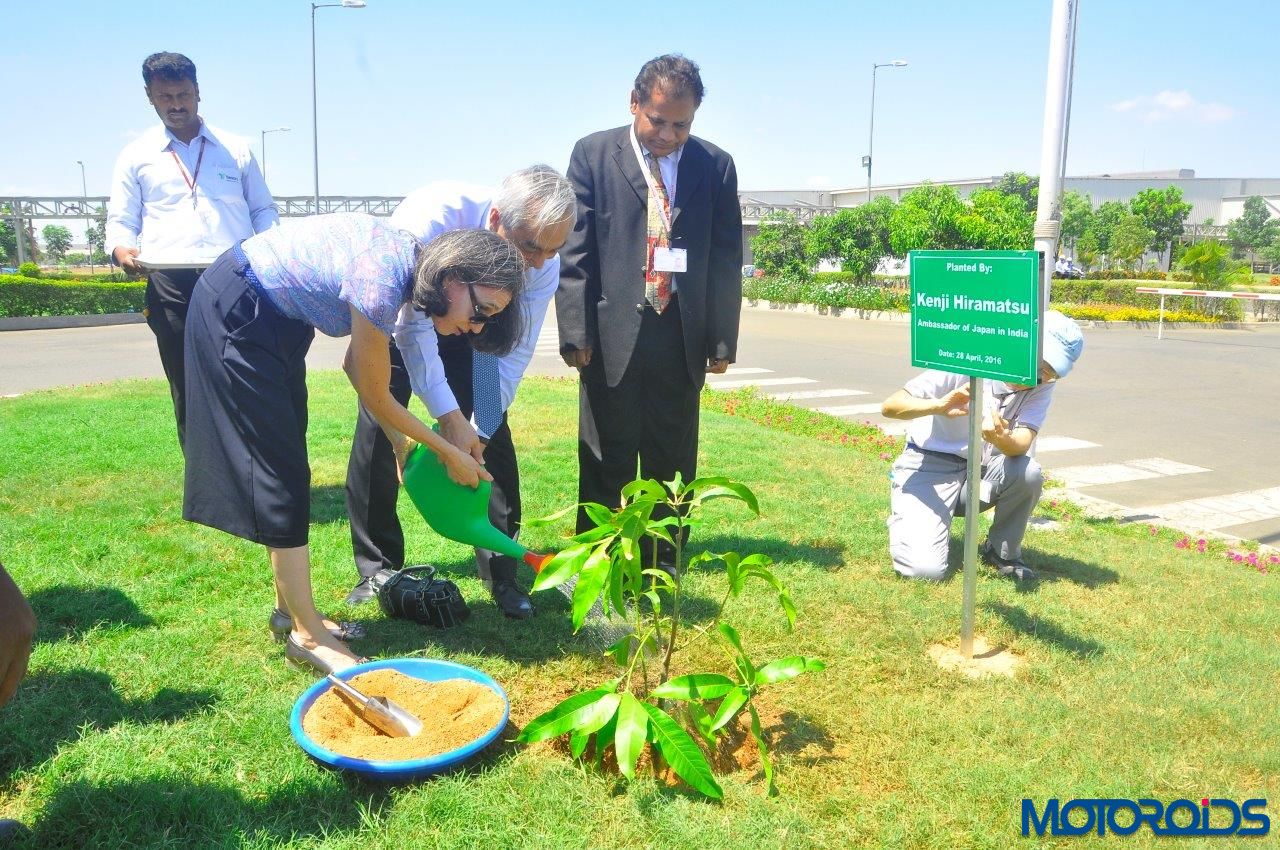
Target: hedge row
(1138,274)
(826,293)
(1091,293)
(23,296)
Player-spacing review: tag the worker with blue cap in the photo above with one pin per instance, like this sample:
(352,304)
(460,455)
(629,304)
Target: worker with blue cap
(927,489)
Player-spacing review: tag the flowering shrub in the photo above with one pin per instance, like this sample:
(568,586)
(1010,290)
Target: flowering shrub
(1263,562)
(1120,313)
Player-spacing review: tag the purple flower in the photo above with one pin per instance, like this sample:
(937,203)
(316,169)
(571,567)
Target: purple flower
(1181,544)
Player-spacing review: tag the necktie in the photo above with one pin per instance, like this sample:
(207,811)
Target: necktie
(486,393)
(657,285)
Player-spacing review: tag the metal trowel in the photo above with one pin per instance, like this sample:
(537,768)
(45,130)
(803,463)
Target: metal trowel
(381,713)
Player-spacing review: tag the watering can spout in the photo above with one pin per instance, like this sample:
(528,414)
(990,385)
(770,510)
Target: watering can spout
(457,512)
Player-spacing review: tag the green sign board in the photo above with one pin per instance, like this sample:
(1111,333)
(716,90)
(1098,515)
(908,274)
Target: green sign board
(977,313)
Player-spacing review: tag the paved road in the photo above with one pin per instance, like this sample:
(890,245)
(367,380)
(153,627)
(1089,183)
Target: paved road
(1181,427)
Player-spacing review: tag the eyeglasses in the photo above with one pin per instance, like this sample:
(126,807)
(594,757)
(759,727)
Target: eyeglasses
(478,317)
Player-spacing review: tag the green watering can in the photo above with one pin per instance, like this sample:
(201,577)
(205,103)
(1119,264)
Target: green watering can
(456,511)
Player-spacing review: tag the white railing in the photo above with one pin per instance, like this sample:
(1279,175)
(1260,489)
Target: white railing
(1198,293)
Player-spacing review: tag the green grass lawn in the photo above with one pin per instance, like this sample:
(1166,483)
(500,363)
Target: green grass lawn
(155,713)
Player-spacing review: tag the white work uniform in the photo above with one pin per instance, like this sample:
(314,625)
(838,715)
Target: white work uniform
(927,486)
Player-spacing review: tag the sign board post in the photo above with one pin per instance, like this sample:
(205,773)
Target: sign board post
(976,313)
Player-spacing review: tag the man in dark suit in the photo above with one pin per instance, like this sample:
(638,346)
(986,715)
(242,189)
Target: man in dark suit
(650,286)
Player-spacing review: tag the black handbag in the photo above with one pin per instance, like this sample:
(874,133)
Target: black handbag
(414,593)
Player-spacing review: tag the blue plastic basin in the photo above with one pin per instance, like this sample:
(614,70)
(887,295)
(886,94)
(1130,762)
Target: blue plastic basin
(427,669)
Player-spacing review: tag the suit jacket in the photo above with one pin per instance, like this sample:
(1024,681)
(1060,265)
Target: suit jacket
(601,294)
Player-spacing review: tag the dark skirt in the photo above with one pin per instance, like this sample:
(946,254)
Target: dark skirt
(246,447)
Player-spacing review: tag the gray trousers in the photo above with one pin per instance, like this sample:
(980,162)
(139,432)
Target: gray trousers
(928,492)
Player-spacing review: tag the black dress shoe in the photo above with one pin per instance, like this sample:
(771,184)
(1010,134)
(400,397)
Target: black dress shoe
(511,600)
(361,593)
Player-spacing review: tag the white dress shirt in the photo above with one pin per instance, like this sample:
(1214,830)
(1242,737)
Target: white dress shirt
(152,208)
(426,213)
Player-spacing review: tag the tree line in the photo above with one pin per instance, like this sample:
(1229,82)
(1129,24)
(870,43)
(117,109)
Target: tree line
(1115,234)
(57,241)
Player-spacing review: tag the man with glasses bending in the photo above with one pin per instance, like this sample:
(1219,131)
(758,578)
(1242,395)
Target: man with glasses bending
(927,489)
(468,392)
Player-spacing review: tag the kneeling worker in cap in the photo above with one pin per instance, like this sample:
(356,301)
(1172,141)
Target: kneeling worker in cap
(927,489)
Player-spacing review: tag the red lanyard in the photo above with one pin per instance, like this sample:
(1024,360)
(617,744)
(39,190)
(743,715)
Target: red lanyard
(191,181)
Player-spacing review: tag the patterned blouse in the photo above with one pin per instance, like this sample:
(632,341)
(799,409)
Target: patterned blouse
(313,268)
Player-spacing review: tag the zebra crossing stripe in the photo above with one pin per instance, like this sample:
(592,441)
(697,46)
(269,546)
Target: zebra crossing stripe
(1060,444)
(1214,512)
(758,382)
(850,409)
(748,370)
(1118,473)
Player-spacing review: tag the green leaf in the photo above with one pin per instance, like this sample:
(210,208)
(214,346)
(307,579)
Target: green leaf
(598,514)
(539,522)
(731,635)
(577,743)
(788,608)
(566,716)
(621,649)
(704,557)
(645,488)
(719,487)
(603,736)
(562,567)
(615,597)
(701,722)
(590,582)
(787,668)
(695,686)
(599,713)
(745,668)
(758,733)
(661,579)
(730,706)
(630,734)
(681,752)
(593,535)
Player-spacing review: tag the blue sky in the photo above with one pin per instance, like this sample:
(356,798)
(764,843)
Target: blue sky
(411,92)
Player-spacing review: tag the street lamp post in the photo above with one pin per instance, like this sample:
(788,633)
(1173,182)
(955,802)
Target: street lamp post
(315,127)
(871,134)
(84,193)
(264,148)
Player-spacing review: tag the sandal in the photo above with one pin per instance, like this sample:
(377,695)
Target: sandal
(299,657)
(281,624)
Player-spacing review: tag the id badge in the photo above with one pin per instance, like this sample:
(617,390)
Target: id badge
(670,259)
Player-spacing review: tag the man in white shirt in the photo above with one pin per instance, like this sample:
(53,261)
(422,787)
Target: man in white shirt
(181,194)
(535,210)
(927,489)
